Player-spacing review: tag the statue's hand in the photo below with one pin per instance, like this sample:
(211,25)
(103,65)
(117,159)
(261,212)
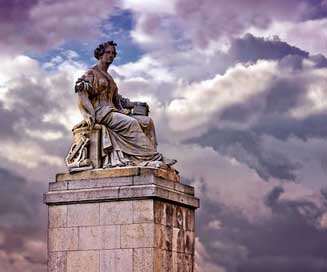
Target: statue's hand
(90,121)
(125,111)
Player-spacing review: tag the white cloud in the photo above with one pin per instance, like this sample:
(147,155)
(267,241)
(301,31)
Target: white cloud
(28,154)
(195,105)
(149,6)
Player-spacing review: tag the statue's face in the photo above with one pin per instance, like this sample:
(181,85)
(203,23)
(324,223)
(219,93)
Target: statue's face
(109,54)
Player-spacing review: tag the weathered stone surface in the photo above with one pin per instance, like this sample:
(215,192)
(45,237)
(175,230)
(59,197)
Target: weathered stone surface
(120,212)
(90,238)
(111,237)
(163,261)
(189,242)
(57,262)
(83,261)
(58,216)
(119,172)
(178,240)
(99,237)
(163,237)
(137,235)
(160,173)
(84,214)
(62,239)
(58,186)
(189,262)
(99,173)
(163,213)
(117,193)
(116,260)
(184,188)
(134,223)
(99,183)
(143,260)
(190,219)
(179,217)
(143,211)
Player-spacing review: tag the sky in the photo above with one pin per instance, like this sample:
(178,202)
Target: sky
(237,90)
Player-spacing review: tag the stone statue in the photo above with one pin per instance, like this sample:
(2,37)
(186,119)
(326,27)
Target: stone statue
(115,132)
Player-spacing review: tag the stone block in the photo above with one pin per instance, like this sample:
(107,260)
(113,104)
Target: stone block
(116,260)
(118,212)
(58,186)
(136,191)
(163,261)
(189,242)
(99,173)
(143,179)
(83,214)
(179,262)
(183,188)
(99,237)
(143,260)
(163,213)
(178,240)
(160,173)
(99,183)
(163,237)
(57,261)
(62,239)
(143,211)
(83,261)
(111,237)
(137,235)
(190,219)
(58,216)
(90,238)
(189,262)
(179,217)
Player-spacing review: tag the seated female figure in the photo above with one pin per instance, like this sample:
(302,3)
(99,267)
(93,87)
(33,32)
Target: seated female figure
(126,139)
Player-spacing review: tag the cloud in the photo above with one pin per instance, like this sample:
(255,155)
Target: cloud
(33,25)
(38,101)
(22,228)
(197,23)
(256,216)
(309,35)
(251,48)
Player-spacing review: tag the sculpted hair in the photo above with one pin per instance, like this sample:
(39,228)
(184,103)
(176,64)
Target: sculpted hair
(99,51)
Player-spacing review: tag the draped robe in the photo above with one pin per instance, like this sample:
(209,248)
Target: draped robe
(126,139)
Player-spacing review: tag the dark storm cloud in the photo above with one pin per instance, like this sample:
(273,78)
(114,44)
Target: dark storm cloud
(268,113)
(246,146)
(33,25)
(22,214)
(31,102)
(209,19)
(7,119)
(288,240)
(251,48)
(19,197)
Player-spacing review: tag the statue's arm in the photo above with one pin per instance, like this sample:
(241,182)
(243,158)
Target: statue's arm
(83,88)
(124,102)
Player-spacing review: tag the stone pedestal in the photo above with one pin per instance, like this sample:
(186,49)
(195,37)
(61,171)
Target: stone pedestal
(120,220)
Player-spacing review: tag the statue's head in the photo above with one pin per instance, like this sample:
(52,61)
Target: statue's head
(101,48)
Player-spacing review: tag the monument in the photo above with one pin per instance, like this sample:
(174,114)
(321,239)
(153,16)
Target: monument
(121,206)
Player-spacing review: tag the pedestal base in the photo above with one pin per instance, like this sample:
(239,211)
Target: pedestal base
(128,219)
